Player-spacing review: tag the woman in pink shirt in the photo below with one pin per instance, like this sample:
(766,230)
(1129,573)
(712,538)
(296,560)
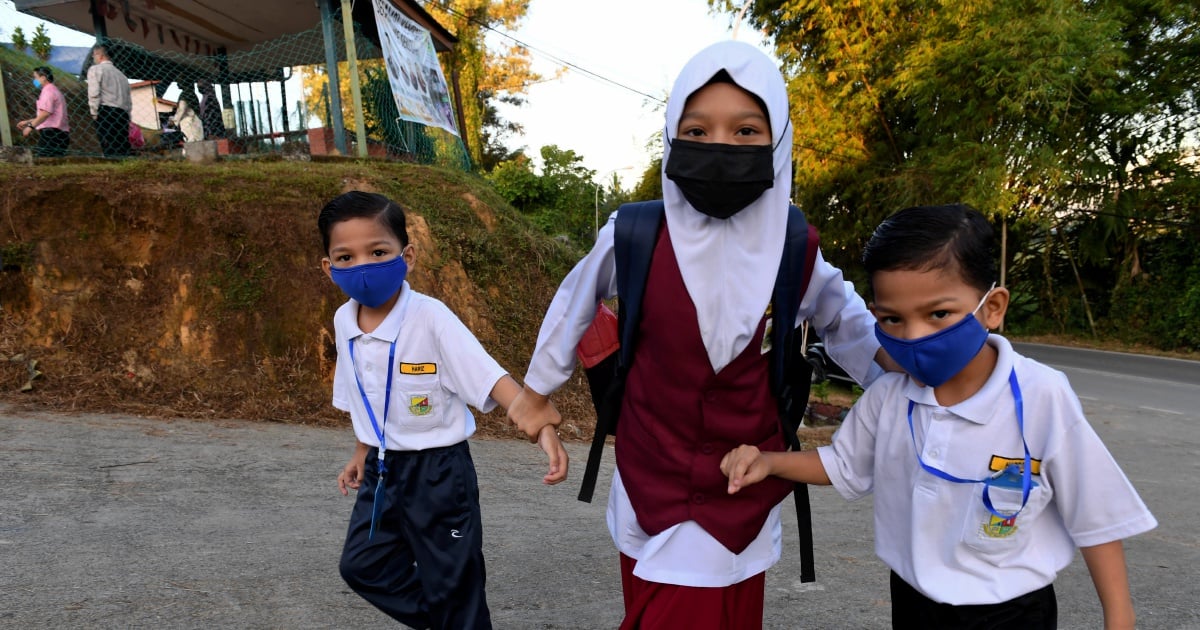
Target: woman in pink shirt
(54,132)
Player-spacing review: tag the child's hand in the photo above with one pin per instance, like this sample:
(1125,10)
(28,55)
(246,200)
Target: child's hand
(549,442)
(532,412)
(744,465)
(352,474)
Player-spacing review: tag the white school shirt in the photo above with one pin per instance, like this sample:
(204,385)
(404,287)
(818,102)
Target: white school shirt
(439,369)
(685,554)
(937,535)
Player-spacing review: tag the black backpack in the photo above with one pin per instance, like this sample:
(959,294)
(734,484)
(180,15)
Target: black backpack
(635,237)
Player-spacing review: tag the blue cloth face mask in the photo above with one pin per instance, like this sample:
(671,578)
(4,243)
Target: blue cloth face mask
(935,359)
(371,284)
(37,84)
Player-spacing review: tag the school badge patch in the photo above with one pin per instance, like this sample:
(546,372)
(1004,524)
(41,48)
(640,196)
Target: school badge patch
(418,404)
(997,527)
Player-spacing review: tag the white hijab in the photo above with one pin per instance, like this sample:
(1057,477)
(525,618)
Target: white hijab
(729,265)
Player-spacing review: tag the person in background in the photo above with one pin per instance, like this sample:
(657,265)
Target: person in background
(54,130)
(210,111)
(187,114)
(985,472)
(110,102)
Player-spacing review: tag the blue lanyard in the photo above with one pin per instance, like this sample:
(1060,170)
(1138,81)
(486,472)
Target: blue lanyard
(376,505)
(1026,472)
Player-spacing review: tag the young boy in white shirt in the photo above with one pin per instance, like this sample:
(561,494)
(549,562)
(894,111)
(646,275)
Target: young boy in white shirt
(407,368)
(986,474)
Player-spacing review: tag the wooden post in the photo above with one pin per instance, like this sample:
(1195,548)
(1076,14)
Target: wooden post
(331,70)
(360,128)
(98,25)
(5,133)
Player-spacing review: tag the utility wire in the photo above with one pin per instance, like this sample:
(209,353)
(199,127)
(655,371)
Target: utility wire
(548,55)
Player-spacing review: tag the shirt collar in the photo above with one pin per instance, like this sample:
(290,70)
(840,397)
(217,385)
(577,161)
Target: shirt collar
(388,330)
(981,406)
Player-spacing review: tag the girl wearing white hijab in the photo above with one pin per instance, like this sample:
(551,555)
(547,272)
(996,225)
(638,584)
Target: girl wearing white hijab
(726,181)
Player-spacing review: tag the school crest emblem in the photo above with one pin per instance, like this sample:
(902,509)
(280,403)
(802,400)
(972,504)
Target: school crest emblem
(997,527)
(418,404)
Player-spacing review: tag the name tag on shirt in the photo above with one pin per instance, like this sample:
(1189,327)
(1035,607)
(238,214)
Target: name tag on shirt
(418,368)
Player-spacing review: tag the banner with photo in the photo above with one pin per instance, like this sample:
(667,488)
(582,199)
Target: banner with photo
(413,69)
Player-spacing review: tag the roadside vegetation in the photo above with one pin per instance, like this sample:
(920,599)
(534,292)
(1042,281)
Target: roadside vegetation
(168,288)
(174,289)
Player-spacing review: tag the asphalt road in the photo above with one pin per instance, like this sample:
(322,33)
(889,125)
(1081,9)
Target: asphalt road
(1133,381)
(124,522)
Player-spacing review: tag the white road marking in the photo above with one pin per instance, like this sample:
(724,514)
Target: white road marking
(1170,411)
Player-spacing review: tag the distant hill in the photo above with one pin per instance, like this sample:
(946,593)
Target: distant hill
(69,59)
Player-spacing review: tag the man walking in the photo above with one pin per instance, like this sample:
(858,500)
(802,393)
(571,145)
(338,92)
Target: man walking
(110,101)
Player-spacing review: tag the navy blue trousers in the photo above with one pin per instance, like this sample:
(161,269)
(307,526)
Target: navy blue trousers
(424,565)
(1036,610)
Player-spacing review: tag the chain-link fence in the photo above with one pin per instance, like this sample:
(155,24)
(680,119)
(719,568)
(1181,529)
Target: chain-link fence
(274,98)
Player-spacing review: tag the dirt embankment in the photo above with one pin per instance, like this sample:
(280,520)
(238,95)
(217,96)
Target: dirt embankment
(163,288)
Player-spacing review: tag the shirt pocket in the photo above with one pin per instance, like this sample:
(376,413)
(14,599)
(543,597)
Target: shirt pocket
(990,534)
(422,402)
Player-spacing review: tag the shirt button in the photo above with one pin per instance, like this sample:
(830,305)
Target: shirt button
(710,396)
(699,498)
(934,453)
(706,448)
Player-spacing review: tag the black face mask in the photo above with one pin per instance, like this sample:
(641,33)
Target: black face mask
(720,179)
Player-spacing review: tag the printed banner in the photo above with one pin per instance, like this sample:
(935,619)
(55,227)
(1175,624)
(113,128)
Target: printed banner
(413,69)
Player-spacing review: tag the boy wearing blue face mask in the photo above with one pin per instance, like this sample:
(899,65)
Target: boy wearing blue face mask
(406,370)
(985,472)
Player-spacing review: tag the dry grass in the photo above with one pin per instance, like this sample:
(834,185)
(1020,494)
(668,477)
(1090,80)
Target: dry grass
(172,289)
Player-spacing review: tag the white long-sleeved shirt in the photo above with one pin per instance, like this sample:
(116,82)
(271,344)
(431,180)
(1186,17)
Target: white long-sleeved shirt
(108,86)
(685,554)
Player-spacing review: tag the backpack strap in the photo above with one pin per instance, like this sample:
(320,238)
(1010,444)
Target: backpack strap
(635,234)
(633,245)
(790,373)
(790,284)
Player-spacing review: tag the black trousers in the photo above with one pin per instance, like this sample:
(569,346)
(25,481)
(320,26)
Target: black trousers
(424,565)
(52,142)
(1037,610)
(112,128)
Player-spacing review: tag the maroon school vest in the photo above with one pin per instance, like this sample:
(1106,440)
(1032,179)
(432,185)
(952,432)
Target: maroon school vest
(678,418)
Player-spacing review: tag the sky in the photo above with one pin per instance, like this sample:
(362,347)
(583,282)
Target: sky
(639,44)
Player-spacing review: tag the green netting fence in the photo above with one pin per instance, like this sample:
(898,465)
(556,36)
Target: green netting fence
(274,98)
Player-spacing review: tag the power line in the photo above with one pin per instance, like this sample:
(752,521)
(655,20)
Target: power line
(548,55)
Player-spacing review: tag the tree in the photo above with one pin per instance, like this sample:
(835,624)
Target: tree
(315,85)
(41,43)
(484,76)
(902,103)
(19,42)
(518,184)
(650,184)
(1061,117)
(560,199)
(1139,172)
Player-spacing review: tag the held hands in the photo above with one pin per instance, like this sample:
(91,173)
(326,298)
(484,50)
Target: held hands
(532,412)
(745,465)
(550,443)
